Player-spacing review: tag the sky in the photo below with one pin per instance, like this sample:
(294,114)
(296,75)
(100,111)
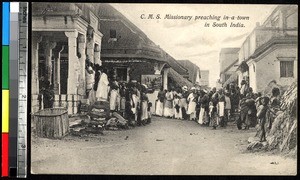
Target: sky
(189,39)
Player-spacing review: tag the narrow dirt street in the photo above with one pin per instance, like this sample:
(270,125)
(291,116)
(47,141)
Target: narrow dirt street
(165,147)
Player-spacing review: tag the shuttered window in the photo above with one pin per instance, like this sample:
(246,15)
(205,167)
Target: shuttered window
(286,68)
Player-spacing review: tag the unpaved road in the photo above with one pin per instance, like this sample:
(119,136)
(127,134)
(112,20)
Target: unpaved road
(165,147)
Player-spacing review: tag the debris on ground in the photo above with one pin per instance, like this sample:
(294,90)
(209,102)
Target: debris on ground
(193,133)
(97,120)
(117,122)
(159,139)
(85,125)
(274,163)
(120,119)
(113,128)
(75,123)
(257,145)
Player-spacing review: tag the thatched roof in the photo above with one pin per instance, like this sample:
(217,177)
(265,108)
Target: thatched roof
(178,79)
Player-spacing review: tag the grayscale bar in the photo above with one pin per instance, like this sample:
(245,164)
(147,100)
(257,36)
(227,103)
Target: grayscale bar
(13,83)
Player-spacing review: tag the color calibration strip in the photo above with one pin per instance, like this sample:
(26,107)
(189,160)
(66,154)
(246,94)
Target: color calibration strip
(5,87)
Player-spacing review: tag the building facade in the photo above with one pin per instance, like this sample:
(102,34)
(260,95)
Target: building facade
(228,65)
(128,53)
(204,79)
(63,35)
(270,51)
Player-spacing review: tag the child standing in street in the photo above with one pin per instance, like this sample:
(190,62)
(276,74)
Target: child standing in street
(262,117)
(177,109)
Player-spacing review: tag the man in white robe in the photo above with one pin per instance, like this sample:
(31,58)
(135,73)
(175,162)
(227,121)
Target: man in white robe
(103,88)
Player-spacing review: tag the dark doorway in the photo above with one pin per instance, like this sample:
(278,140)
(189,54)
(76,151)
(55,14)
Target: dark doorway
(121,74)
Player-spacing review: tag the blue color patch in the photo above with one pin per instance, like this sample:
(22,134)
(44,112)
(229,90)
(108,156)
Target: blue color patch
(5,22)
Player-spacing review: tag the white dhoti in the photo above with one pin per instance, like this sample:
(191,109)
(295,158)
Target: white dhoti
(178,114)
(92,97)
(201,116)
(192,110)
(221,109)
(168,109)
(113,100)
(134,104)
(159,108)
(144,112)
(102,90)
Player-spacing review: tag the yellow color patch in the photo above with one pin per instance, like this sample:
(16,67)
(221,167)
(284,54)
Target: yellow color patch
(5,111)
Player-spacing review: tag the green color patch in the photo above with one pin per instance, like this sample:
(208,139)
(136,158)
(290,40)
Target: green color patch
(5,67)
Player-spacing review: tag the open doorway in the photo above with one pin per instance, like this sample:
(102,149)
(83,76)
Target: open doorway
(121,74)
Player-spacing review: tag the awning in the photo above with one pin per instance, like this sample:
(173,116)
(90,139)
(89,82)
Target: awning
(231,79)
(178,79)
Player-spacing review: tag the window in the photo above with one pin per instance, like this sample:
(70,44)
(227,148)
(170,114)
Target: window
(113,33)
(286,68)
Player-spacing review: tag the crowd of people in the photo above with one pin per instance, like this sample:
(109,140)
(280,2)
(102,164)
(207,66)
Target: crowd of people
(212,108)
(130,100)
(216,107)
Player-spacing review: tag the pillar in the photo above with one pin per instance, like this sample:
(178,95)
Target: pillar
(97,54)
(72,58)
(165,78)
(90,46)
(36,39)
(48,58)
(57,71)
(81,50)
(72,79)
(35,64)
(128,74)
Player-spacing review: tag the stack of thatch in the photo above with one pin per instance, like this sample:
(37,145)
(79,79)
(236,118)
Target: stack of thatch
(283,134)
(289,100)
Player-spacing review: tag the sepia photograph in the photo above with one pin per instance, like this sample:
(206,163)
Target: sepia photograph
(164,89)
